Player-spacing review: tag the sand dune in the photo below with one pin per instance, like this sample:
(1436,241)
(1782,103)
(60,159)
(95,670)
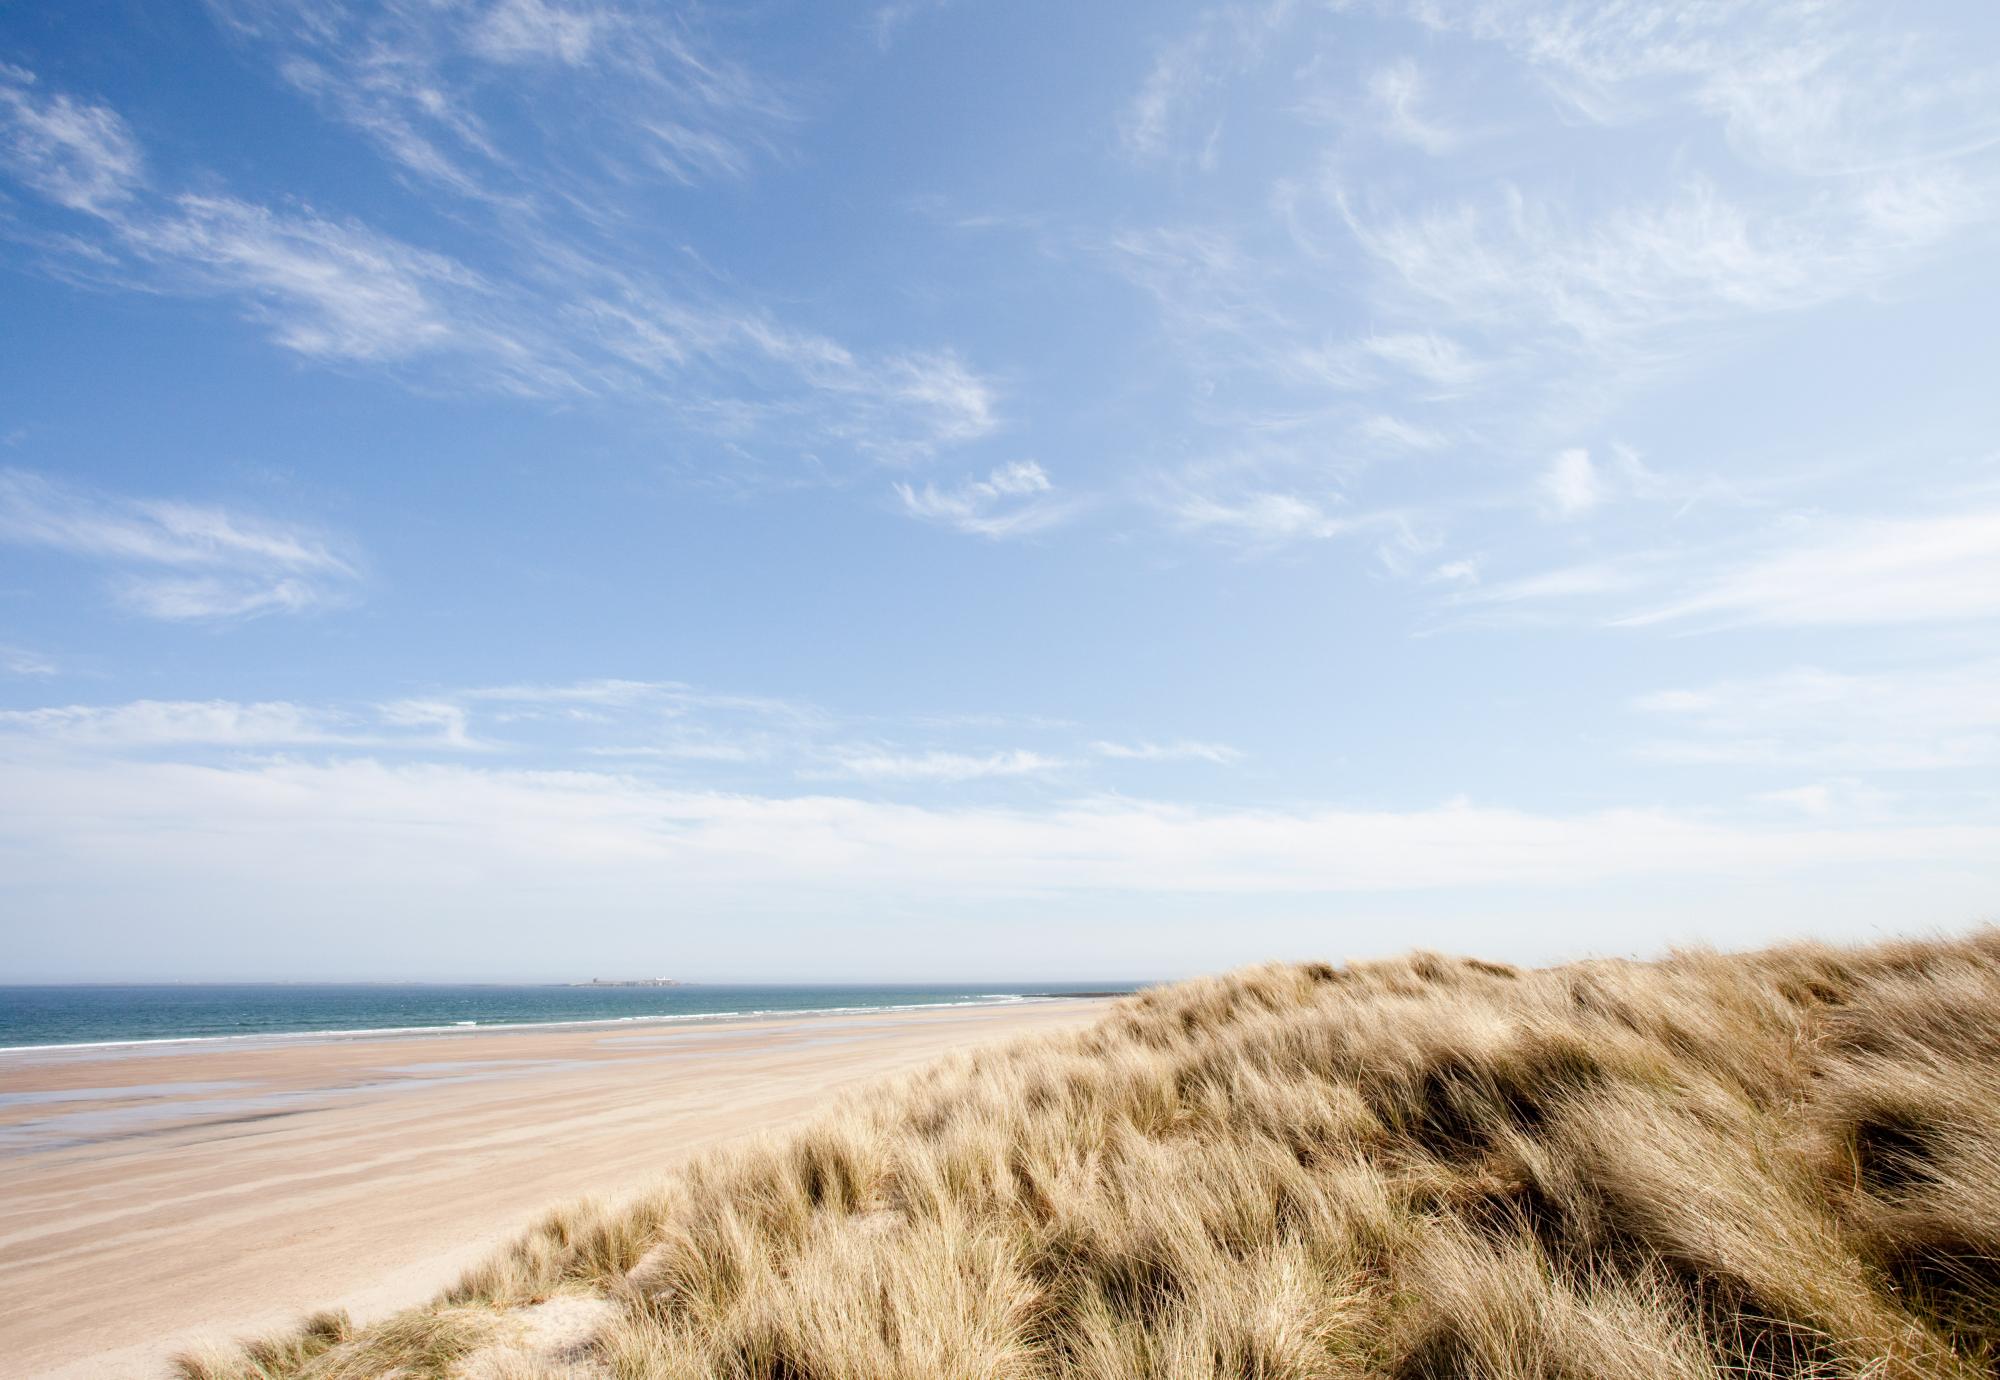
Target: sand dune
(1781,1165)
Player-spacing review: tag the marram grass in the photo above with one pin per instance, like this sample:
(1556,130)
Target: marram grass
(1777,1164)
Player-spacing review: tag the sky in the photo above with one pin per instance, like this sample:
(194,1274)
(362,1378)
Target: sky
(945,489)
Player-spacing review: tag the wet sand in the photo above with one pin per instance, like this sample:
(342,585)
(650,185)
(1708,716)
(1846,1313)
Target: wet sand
(152,1196)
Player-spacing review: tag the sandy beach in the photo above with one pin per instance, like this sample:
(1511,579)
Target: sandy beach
(157,1195)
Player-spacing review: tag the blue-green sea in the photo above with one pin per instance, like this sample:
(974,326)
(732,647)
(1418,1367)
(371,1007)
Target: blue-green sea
(102,1014)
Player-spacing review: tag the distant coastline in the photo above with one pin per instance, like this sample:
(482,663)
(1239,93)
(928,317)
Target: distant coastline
(628,982)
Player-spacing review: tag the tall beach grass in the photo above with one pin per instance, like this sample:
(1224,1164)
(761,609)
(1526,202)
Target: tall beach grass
(1777,1164)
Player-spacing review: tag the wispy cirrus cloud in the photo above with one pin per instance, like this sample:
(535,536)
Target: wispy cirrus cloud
(145,725)
(667,699)
(20,661)
(75,153)
(1014,500)
(1169,116)
(1903,718)
(1806,571)
(549,315)
(1398,94)
(535,31)
(1625,276)
(1850,572)
(1814,88)
(179,723)
(878,764)
(1267,519)
(177,560)
(890,19)
(418,81)
(1180,750)
(1686,179)
(326,289)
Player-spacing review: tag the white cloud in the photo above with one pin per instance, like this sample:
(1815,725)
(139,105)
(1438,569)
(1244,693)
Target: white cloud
(179,723)
(1181,750)
(1013,500)
(532,30)
(1804,572)
(41,512)
(890,18)
(1222,42)
(19,661)
(1397,93)
(76,154)
(190,598)
(1434,358)
(308,832)
(883,765)
(597,692)
(1571,484)
(687,154)
(1264,519)
(328,290)
(631,721)
(1211,294)
(1625,275)
(687,750)
(417,81)
(1178,69)
(1849,572)
(1585,581)
(447,721)
(898,406)
(1816,799)
(1395,431)
(1827,799)
(144,725)
(671,699)
(177,560)
(1902,719)
(1800,85)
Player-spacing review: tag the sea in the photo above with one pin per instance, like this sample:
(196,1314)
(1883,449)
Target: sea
(40,1016)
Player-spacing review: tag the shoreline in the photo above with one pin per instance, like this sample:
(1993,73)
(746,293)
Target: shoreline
(483,1027)
(249,1180)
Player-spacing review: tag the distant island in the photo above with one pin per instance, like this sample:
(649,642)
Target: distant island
(630,982)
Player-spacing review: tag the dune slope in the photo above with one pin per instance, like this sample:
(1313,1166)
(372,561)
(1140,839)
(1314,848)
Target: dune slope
(1783,1163)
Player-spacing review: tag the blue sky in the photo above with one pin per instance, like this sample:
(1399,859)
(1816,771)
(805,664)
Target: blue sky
(505,488)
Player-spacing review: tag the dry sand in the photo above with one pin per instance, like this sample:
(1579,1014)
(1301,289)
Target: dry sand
(152,1196)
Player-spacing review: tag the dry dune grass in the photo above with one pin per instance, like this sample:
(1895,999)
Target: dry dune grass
(1779,1164)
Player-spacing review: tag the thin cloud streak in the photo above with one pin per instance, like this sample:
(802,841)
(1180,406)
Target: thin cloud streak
(881,765)
(175,560)
(1807,572)
(1905,719)
(145,725)
(1853,572)
(1014,500)
(1182,750)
